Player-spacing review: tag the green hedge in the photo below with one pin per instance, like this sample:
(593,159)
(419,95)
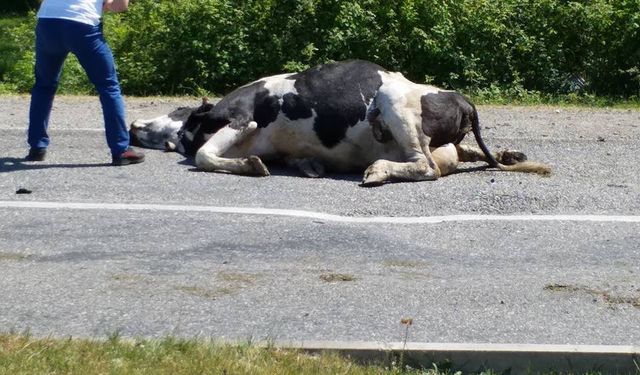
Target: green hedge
(547,46)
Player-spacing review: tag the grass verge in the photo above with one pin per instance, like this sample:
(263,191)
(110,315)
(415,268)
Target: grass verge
(22,354)
(523,97)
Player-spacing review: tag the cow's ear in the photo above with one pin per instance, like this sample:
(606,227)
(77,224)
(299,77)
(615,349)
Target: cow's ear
(196,116)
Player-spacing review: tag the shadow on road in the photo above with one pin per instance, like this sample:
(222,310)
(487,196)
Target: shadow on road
(470,169)
(280,169)
(17,164)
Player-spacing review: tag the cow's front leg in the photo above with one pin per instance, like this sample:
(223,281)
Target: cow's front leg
(209,156)
(418,164)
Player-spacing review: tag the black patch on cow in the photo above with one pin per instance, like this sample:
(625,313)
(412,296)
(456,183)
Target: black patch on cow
(295,108)
(339,93)
(446,117)
(266,108)
(181,112)
(195,124)
(380,131)
(237,109)
(133,139)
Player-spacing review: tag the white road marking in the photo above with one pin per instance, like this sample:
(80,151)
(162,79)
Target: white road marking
(320,215)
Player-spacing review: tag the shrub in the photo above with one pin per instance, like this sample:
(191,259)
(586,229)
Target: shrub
(20,76)
(512,46)
(11,6)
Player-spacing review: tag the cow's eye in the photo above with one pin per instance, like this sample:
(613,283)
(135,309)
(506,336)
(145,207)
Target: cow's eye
(180,134)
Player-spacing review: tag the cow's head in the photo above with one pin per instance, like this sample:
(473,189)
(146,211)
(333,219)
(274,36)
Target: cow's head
(164,132)
(199,127)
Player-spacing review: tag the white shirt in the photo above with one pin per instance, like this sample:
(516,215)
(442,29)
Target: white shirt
(85,11)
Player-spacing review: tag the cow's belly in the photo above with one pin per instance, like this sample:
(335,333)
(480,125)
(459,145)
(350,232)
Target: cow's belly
(285,139)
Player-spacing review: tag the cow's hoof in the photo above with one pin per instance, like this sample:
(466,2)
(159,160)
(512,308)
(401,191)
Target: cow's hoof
(258,167)
(375,175)
(511,157)
(371,183)
(310,167)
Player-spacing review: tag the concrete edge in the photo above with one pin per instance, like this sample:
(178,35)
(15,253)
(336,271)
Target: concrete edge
(466,357)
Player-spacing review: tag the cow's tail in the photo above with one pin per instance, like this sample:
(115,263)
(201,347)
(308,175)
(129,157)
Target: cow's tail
(523,166)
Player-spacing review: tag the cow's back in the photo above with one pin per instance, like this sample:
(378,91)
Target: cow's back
(339,95)
(320,113)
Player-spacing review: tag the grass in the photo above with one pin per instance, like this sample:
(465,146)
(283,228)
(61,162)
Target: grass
(22,354)
(522,97)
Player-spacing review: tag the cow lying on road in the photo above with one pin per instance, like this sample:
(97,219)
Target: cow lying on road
(341,117)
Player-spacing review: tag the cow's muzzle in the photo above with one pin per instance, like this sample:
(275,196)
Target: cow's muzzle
(169,146)
(133,139)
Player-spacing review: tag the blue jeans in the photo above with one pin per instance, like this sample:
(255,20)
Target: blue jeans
(55,38)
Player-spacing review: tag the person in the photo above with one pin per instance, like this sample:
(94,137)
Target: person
(75,26)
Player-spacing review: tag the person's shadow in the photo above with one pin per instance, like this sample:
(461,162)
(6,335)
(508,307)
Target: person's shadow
(19,164)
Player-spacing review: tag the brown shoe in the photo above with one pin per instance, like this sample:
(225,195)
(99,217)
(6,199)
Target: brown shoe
(36,154)
(130,156)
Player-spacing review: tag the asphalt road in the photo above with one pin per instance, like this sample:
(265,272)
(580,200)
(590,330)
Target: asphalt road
(154,256)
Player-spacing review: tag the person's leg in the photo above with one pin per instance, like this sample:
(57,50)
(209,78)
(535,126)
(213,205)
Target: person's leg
(50,55)
(95,56)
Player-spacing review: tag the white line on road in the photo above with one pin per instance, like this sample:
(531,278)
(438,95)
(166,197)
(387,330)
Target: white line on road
(319,215)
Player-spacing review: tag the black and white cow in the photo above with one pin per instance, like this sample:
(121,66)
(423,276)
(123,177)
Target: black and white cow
(341,117)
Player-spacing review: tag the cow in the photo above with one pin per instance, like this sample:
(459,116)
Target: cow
(341,117)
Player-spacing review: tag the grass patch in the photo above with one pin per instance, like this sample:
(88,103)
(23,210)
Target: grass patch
(336,277)
(232,283)
(20,354)
(15,257)
(237,278)
(520,96)
(127,278)
(605,296)
(212,294)
(399,263)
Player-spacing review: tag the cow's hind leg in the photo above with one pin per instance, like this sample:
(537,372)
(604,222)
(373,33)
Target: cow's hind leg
(310,167)
(446,158)
(209,156)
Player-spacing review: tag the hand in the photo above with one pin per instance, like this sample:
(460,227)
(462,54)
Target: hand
(115,5)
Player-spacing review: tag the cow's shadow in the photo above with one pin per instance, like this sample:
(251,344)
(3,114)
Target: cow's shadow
(9,164)
(283,170)
(478,168)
